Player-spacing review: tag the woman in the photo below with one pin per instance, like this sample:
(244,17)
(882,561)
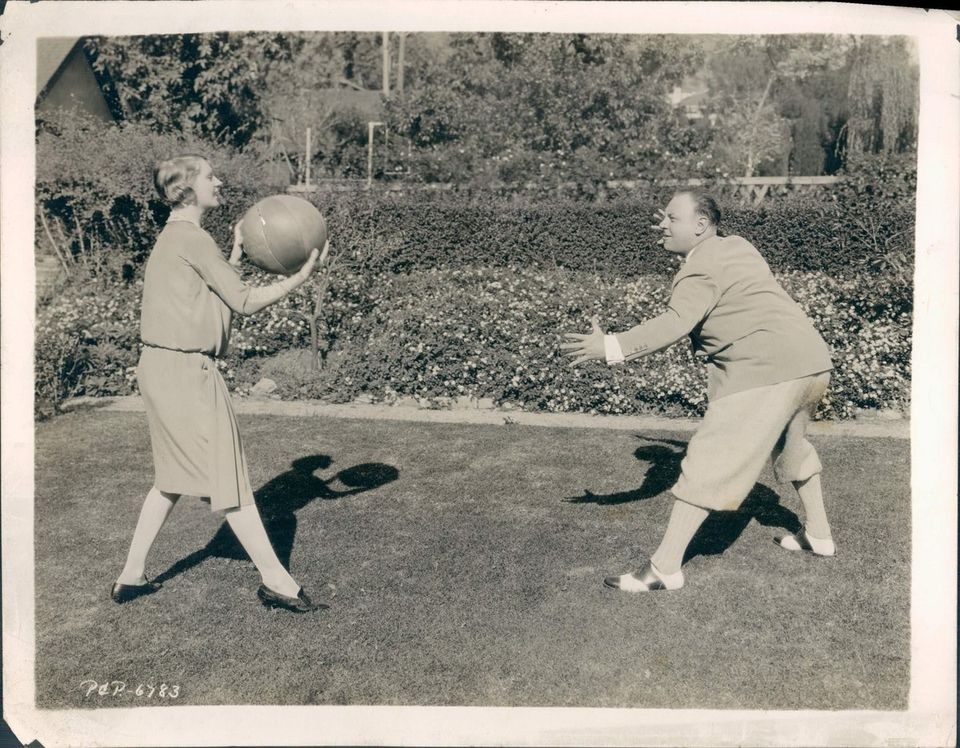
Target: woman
(189,295)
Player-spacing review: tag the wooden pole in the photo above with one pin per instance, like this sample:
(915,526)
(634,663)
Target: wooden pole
(369,155)
(370,128)
(386,63)
(403,37)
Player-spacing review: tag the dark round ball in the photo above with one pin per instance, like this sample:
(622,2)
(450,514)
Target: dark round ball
(280,231)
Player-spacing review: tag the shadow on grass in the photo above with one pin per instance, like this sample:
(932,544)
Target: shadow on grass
(663,457)
(280,498)
(721,529)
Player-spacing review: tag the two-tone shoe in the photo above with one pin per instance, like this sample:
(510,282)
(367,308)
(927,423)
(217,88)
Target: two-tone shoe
(299,604)
(646,580)
(124,593)
(802,542)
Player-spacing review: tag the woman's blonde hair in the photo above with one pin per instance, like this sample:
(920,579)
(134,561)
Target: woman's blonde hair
(173,178)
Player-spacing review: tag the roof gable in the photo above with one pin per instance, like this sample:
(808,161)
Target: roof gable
(52,52)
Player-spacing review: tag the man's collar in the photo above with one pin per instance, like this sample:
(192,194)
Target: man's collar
(690,253)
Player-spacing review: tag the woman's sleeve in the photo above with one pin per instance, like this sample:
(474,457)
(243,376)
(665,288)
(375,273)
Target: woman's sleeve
(225,281)
(692,299)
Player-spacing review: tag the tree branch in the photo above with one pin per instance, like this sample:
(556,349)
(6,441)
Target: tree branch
(56,248)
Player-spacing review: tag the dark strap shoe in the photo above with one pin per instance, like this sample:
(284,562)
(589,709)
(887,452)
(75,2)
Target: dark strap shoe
(124,593)
(299,604)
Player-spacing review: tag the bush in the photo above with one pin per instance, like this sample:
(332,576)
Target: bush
(86,343)
(483,332)
(495,333)
(59,365)
(95,198)
(410,311)
(94,186)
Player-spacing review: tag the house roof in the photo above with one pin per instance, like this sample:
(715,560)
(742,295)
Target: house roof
(51,54)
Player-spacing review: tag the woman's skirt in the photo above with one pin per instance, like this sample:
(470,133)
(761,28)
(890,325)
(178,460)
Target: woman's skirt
(193,431)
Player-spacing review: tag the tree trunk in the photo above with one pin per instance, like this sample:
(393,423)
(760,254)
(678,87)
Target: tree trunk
(756,121)
(315,317)
(56,248)
(314,345)
(83,251)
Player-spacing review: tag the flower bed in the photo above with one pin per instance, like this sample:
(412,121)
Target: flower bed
(481,332)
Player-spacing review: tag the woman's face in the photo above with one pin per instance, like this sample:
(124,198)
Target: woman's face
(206,187)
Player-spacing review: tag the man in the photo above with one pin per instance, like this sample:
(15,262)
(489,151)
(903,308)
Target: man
(767,368)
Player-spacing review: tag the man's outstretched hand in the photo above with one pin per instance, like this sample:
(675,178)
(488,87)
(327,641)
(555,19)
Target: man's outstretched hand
(583,348)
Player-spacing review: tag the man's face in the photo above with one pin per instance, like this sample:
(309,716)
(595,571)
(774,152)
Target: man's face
(682,227)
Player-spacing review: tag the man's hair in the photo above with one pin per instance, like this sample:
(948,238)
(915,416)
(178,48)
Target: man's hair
(704,204)
(173,178)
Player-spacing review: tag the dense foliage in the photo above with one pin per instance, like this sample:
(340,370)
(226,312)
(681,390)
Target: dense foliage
(96,205)
(488,107)
(485,332)
(404,307)
(97,208)
(518,107)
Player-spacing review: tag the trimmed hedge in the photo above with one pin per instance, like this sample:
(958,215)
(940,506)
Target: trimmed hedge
(94,182)
(809,233)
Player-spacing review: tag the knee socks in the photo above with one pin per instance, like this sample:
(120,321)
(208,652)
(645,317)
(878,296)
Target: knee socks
(816,515)
(685,520)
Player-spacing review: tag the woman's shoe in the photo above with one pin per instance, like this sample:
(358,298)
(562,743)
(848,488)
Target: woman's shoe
(124,593)
(646,580)
(299,604)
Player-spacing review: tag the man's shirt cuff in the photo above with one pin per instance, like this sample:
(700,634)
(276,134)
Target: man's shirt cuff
(612,350)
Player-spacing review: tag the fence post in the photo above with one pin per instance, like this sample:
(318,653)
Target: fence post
(370,128)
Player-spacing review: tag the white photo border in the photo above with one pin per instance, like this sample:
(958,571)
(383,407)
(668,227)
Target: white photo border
(931,716)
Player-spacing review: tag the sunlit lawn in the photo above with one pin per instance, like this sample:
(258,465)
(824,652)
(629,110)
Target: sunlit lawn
(464,564)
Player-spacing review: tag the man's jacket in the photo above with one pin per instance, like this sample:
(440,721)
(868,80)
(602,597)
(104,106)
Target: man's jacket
(746,328)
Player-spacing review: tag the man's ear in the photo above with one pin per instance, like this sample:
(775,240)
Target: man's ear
(702,224)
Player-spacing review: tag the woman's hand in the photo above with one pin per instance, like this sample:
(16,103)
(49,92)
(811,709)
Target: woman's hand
(304,272)
(316,257)
(300,277)
(236,254)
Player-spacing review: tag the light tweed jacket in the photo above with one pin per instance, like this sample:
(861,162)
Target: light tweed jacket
(741,322)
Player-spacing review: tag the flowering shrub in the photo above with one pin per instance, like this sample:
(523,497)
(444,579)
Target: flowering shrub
(482,332)
(96,205)
(86,343)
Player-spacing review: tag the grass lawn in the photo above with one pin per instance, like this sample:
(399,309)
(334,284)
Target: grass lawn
(464,566)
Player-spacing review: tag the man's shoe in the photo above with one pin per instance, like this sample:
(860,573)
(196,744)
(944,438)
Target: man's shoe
(124,593)
(803,542)
(647,580)
(299,604)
